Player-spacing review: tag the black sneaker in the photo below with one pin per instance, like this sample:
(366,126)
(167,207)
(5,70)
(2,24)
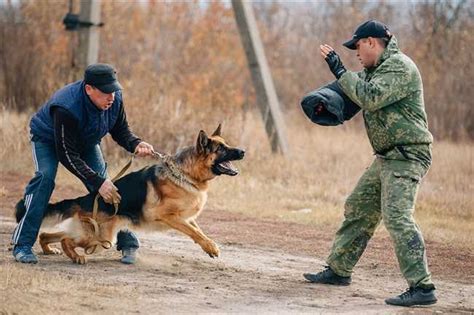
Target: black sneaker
(327,276)
(24,254)
(414,296)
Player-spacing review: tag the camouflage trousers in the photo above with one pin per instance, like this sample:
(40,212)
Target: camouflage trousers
(386,191)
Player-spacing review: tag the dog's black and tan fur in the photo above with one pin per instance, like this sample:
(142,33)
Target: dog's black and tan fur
(161,196)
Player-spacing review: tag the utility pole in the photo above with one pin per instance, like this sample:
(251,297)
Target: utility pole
(88,50)
(267,99)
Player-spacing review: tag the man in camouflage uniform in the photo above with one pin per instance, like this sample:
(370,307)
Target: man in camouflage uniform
(390,92)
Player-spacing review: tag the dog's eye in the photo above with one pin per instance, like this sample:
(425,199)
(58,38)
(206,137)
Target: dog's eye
(220,148)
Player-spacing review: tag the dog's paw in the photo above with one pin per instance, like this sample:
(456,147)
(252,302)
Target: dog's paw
(80,260)
(52,251)
(212,249)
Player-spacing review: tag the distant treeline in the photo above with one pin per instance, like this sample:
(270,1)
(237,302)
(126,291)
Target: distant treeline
(190,54)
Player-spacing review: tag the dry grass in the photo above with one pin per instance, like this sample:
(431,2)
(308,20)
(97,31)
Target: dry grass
(46,288)
(324,166)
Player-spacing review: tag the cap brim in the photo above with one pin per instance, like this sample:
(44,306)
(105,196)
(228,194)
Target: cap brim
(110,88)
(351,44)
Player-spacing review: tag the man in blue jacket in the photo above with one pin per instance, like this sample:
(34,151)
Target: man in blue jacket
(68,128)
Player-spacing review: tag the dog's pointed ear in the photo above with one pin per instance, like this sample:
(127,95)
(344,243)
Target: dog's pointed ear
(202,142)
(217,132)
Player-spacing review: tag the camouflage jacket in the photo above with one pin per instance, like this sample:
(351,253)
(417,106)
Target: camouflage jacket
(391,96)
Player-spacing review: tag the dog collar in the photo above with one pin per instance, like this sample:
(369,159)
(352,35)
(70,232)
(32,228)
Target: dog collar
(176,175)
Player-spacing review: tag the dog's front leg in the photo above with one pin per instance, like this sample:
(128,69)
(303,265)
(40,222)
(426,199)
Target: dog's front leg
(208,245)
(194,223)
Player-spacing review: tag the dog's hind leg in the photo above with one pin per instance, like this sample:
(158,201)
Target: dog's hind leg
(69,248)
(47,238)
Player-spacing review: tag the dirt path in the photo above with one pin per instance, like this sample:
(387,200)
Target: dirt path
(259,271)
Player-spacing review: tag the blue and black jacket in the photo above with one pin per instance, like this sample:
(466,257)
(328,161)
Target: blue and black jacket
(73,124)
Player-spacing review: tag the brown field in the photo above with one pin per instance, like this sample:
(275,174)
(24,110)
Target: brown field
(267,237)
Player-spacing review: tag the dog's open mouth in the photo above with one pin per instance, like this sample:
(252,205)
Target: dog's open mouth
(226,167)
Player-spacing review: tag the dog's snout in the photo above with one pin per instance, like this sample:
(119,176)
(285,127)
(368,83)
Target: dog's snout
(241,153)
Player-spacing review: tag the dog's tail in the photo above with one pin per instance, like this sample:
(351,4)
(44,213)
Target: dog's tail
(62,208)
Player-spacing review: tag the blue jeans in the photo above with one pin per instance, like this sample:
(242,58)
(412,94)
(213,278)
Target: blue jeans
(41,186)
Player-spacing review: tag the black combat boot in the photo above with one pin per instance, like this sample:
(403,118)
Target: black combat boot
(414,296)
(327,276)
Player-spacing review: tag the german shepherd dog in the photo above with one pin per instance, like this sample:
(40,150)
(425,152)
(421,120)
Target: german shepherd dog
(170,194)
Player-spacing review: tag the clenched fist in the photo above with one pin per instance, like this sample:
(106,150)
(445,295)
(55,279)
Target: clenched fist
(144,149)
(109,192)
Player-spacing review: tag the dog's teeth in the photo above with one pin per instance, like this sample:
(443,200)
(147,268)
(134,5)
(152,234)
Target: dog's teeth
(228,165)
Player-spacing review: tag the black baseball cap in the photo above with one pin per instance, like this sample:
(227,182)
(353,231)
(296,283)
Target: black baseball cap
(102,76)
(371,28)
